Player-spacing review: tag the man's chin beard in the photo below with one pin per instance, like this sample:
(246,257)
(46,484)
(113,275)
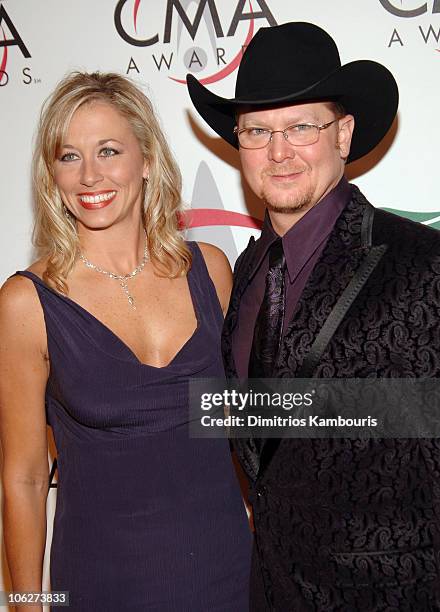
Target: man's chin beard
(289,207)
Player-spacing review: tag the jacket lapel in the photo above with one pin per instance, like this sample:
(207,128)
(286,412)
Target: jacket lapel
(344,267)
(348,246)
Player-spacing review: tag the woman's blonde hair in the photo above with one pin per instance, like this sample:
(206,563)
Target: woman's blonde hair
(54,231)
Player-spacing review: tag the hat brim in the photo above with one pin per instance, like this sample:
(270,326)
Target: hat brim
(373,99)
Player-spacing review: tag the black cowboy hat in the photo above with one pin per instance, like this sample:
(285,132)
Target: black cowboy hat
(299,62)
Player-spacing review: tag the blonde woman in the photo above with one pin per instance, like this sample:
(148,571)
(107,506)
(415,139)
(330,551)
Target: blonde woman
(98,339)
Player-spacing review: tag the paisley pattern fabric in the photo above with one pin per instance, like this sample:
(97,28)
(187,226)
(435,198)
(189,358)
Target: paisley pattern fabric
(353,525)
(269,323)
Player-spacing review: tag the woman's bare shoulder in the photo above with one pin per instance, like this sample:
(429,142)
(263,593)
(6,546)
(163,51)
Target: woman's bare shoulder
(22,325)
(214,257)
(18,296)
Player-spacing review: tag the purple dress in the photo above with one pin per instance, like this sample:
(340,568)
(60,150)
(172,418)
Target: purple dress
(147,519)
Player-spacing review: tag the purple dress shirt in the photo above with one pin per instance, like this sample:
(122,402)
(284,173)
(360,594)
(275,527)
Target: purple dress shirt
(303,244)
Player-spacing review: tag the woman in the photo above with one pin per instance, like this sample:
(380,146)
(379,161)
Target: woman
(99,338)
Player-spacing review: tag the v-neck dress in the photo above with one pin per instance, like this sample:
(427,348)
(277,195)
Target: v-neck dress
(147,518)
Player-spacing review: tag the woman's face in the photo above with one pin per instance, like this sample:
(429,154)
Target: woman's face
(100,168)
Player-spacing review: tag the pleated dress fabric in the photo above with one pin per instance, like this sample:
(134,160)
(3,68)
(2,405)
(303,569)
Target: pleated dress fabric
(147,518)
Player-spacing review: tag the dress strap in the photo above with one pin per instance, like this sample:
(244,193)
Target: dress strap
(202,287)
(33,277)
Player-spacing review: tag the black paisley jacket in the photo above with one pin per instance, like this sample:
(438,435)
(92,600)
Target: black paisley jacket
(352,525)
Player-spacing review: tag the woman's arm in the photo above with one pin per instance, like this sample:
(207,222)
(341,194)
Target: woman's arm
(23,376)
(219,271)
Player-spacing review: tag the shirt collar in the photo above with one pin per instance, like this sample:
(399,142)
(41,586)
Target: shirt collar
(303,238)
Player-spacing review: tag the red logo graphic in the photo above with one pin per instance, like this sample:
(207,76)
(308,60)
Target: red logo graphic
(205,217)
(4,58)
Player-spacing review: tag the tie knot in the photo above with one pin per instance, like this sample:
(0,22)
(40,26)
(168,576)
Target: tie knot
(276,255)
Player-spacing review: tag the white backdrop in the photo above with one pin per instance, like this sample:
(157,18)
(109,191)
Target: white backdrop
(157,42)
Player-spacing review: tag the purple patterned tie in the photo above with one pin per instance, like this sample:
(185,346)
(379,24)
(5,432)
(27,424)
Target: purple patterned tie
(269,324)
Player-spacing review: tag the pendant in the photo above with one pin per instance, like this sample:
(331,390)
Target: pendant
(130,298)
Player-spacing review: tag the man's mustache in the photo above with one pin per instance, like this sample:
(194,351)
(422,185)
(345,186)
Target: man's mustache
(283,171)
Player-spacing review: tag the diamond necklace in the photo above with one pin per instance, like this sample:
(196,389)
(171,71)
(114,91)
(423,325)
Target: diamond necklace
(122,278)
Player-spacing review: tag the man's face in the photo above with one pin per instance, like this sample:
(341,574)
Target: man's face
(292,178)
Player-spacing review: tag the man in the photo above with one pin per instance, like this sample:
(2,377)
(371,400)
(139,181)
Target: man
(333,288)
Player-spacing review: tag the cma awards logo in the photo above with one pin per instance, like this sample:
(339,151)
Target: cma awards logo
(169,34)
(10,37)
(408,9)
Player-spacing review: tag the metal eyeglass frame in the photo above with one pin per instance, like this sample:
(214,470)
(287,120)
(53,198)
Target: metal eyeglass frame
(324,126)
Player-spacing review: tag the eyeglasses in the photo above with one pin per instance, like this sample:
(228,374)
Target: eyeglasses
(300,134)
